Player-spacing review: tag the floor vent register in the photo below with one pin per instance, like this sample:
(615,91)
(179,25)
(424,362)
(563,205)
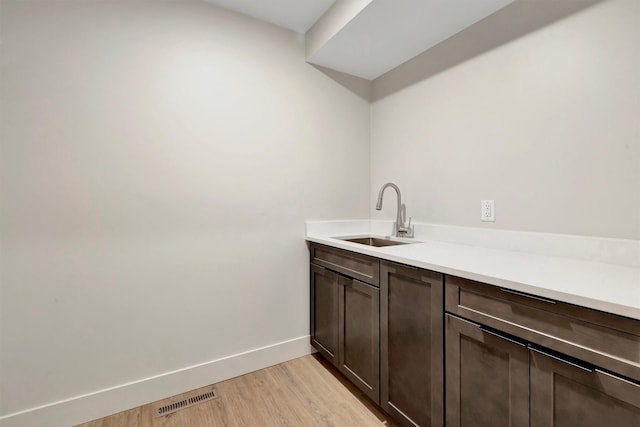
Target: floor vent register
(171,405)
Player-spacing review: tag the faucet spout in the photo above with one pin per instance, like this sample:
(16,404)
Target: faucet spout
(401,230)
(399,220)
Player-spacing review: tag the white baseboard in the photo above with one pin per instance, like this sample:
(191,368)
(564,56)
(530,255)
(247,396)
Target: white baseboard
(98,404)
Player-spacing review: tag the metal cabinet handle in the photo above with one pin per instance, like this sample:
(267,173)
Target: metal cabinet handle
(526,295)
(561,359)
(618,378)
(499,335)
(487,330)
(455,316)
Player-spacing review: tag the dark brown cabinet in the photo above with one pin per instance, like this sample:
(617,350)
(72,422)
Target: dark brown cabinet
(324,312)
(411,329)
(345,317)
(358,337)
(599,338)
(362,267)
(513,359)
(389,340)
(558,371)
(487,378)
(565,394)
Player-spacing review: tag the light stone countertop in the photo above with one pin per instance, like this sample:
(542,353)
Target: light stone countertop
(598,285)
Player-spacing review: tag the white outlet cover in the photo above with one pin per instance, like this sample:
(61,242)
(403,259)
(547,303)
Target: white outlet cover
(487,210)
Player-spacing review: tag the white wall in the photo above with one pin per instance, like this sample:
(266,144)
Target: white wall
(546,125)
(158,160)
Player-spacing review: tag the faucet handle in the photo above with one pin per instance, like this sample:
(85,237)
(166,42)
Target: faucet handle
(402,231)
(408,231)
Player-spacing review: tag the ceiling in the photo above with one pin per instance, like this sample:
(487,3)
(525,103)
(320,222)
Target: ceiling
(367,38)
(296,15)
(387,33)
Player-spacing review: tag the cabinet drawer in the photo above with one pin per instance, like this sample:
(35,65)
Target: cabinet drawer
(603,339)
(358,266)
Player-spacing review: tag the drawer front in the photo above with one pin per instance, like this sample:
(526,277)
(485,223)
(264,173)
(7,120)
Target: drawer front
(603,339)
(358,266)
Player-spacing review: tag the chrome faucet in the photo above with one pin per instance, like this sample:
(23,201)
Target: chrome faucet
(400,229)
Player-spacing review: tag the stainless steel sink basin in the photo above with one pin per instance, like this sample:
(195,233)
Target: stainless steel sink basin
(374,241)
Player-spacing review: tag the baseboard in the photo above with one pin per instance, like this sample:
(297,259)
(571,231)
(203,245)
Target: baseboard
(80,409)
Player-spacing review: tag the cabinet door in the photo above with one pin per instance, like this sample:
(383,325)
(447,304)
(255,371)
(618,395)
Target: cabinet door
(324,312)
(487,379)
(359,336)
(567,394)
(411,344)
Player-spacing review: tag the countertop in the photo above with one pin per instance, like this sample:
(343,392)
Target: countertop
(598,285)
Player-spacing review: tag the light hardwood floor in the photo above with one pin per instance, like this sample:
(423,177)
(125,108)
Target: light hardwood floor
(299,393)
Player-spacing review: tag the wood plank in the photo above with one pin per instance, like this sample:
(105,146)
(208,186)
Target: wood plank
(307,391)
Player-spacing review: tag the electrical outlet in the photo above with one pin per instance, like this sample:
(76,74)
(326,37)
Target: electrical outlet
(487,210)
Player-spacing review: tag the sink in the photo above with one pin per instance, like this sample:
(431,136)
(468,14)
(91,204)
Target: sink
(373,241)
